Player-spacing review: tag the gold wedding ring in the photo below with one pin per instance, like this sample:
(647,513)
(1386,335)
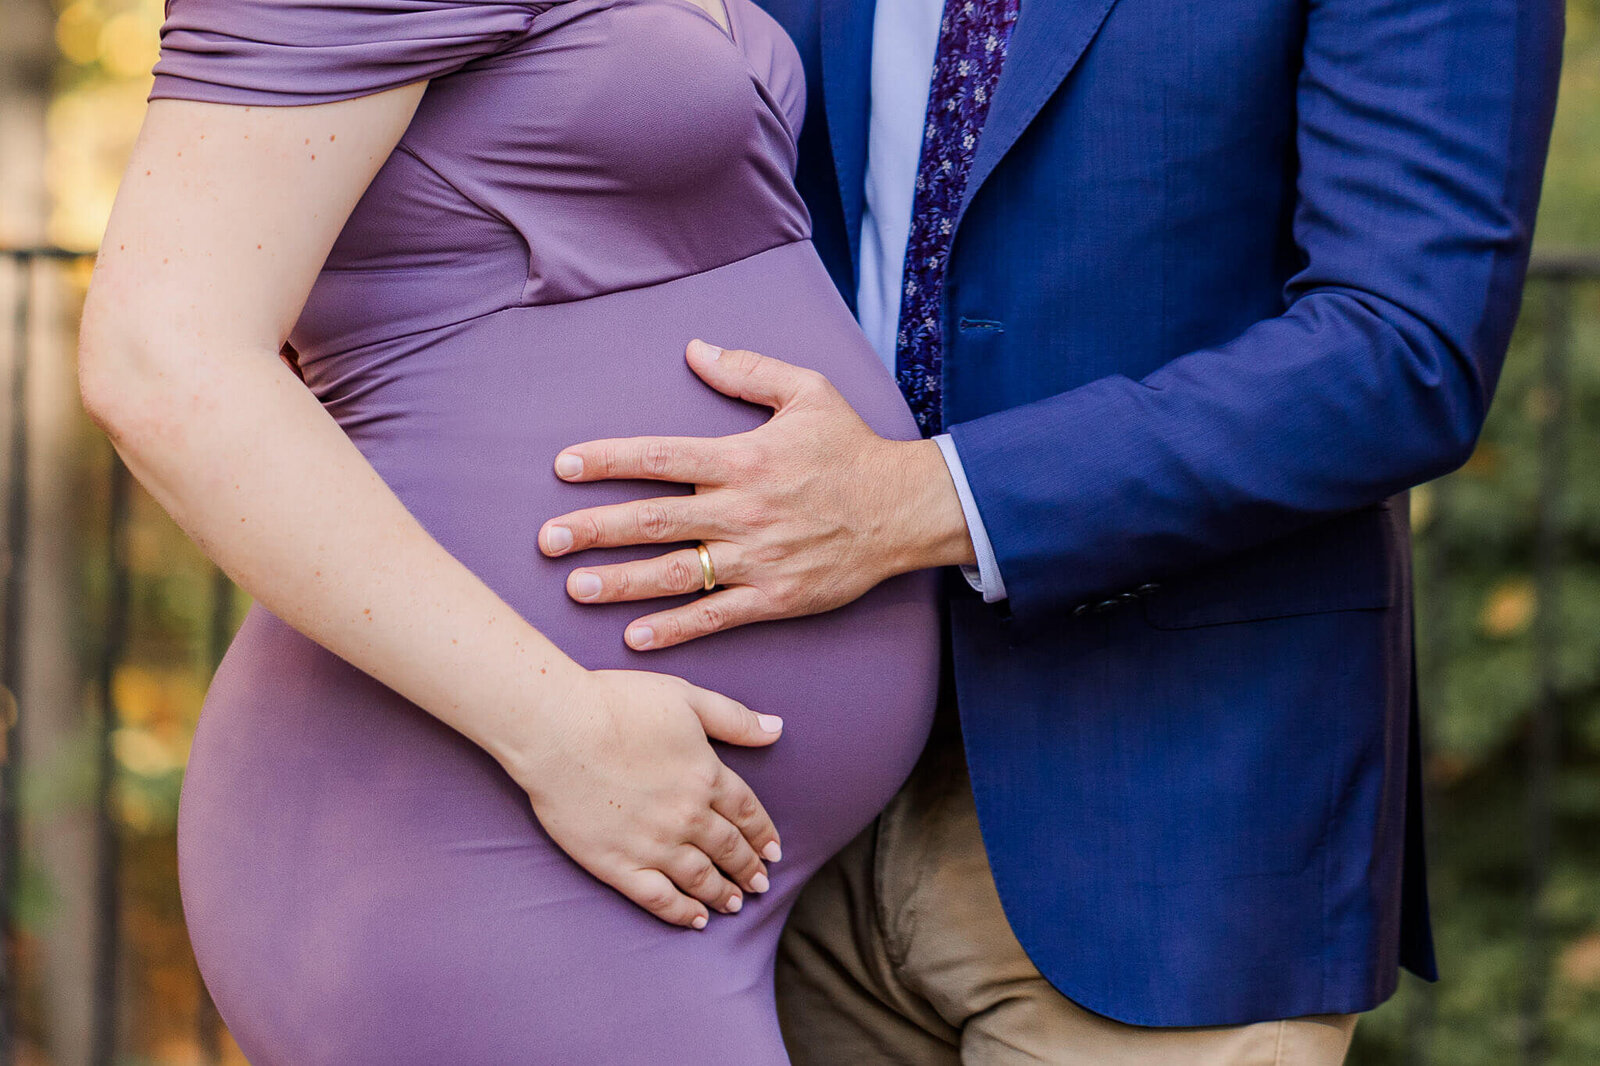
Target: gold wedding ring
(707,572)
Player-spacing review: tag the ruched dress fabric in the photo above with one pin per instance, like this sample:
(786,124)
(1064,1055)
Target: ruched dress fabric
(585,187)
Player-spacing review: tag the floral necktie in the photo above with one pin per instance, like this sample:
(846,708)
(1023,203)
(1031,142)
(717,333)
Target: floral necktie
(972,46)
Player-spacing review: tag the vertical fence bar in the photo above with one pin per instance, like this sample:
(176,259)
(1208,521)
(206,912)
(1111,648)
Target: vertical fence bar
(11,648)
(108,858)
(1543,733)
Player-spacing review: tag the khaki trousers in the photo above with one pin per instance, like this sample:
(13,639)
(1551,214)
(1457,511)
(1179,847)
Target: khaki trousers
(898,953)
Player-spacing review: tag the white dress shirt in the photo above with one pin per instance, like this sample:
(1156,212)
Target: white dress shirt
(905,36)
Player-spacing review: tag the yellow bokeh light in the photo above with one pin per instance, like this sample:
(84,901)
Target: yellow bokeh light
(143,753)
(90,133)
(130,43)
(1509,608)
(95,114)
(78,32)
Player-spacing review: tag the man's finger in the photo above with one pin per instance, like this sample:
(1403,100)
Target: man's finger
(674,574)
(709,614)
(657,521)
(689,460)
(748,376)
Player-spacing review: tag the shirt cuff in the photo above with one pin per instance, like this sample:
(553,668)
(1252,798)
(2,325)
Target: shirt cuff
(985,577)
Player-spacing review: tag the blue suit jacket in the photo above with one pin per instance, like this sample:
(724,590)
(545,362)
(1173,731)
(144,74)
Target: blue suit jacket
(1230,277)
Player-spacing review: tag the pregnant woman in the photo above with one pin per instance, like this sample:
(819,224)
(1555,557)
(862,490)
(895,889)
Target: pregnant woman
(435,813)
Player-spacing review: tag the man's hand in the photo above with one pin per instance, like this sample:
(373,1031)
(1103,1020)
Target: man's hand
(802,515)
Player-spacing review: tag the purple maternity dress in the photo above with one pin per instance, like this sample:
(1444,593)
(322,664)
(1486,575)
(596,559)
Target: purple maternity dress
(585,187)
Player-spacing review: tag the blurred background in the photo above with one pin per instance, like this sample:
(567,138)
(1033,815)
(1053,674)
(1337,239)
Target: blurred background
(110,623)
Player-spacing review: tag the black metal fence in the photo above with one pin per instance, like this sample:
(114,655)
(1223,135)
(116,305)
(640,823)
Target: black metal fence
(1558,277)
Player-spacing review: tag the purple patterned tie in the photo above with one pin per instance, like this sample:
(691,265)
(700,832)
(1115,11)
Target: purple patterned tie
(972,45)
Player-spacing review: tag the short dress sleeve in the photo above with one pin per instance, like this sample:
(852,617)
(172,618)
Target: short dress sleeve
(285,52)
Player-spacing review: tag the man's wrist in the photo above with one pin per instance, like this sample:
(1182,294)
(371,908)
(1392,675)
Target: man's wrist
(931,527)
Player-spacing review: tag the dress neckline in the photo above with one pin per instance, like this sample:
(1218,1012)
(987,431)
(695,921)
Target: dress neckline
(733,32)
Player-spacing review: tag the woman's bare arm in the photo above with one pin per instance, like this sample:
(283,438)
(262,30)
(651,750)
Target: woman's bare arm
(224,218)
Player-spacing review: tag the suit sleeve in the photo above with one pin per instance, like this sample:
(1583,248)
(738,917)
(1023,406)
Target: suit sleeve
(1422,132)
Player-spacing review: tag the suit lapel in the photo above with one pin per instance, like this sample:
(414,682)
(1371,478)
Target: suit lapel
(1048,40)
(846,83)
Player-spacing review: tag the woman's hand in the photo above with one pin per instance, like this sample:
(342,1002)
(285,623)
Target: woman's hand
(626,782)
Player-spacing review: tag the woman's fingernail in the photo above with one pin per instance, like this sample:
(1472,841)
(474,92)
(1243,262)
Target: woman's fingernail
(759,883)
(585,586)
(709,352)
(558,538)
(772,853)
(770,723)
(735,903)
(699,921)
(641,636)
(569,465)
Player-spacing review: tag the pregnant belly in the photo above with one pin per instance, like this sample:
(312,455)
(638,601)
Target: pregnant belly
(464,423)
(466,426)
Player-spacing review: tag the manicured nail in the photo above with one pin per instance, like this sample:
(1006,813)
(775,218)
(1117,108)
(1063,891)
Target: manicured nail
(759,883)
(558,538)
(699,921)
(770,723)
(641,636)
(735,903)
(585,586)
(569,465)
(772,853)
(709,352)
